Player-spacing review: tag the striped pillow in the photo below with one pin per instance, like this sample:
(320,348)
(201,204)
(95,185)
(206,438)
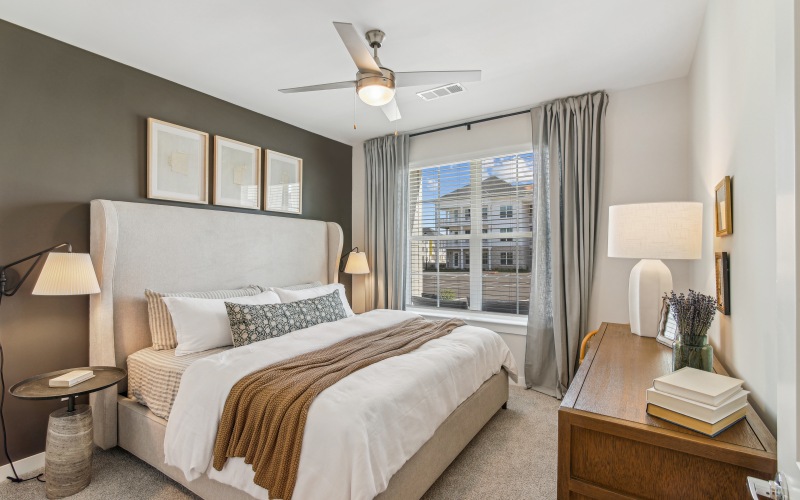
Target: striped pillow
(162,331)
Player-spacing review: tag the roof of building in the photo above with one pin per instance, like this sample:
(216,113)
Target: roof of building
(491,187)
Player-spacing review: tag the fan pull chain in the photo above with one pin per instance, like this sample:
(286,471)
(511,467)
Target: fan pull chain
(354,109)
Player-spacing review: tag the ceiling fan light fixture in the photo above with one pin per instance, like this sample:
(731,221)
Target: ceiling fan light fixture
(375,90)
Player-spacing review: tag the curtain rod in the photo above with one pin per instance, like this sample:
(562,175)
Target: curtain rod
(469,124)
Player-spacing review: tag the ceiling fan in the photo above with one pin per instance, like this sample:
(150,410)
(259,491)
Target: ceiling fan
(375,83)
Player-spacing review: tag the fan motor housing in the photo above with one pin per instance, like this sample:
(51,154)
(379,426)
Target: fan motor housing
(365,79)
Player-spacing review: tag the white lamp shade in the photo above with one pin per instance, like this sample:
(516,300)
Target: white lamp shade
(67,274)
(656,230)
(357,263)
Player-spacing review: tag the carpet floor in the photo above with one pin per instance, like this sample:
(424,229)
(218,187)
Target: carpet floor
(513,457)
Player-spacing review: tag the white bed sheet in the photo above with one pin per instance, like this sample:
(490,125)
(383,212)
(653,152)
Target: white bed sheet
(361,430)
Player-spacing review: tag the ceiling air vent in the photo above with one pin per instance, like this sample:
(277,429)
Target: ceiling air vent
(443,91)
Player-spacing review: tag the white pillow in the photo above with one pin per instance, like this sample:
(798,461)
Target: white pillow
(202,324)
(310,293)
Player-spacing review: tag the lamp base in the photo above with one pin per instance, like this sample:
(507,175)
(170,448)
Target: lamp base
(650,280)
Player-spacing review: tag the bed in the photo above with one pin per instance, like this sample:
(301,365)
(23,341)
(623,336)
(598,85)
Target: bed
(136,246)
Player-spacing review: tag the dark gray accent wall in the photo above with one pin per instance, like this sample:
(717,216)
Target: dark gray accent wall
(72,129)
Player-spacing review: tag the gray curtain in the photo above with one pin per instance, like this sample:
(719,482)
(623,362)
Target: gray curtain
(568,137)
(386,210)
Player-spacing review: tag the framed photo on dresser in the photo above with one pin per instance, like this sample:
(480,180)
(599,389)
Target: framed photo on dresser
(283,191)
(177,163)
(237,174)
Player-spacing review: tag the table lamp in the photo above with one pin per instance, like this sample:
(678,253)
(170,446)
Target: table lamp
(354,262)
(62,274)
(651,232)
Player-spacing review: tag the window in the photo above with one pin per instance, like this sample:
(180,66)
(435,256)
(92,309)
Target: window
(439,272)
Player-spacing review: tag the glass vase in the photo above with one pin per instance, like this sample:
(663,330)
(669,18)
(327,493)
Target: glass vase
(693,351)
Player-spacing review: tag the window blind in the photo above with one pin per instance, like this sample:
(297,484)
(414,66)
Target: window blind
(458,211)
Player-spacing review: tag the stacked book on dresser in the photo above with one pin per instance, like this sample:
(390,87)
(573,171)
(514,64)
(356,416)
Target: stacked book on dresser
(701,401)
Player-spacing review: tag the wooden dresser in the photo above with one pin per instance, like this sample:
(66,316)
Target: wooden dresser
(610,448)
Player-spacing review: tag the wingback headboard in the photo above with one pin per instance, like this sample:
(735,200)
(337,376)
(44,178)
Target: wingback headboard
(135,246)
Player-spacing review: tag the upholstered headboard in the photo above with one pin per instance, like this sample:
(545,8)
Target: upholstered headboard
(135,246)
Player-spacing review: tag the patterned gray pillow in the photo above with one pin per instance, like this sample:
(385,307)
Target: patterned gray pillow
(253,323)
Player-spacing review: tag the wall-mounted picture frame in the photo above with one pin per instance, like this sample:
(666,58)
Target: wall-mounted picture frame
(722,271)
(283,188)
(237,174)
(667,325)
(723,207)
(177,163)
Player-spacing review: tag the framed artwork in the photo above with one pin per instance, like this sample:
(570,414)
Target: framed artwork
(283,191)
(722,268)
(177,163)
(667,325)
(723,213)
(237,174)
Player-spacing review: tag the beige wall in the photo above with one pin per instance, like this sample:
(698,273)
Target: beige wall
(733,84)
(647,160)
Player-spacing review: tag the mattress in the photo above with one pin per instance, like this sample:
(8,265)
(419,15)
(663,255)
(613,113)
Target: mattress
(154,377)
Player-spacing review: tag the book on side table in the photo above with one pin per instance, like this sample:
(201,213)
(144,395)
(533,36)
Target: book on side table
(701,401)
(72,378)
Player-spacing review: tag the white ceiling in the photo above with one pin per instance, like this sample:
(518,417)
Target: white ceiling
(242,51)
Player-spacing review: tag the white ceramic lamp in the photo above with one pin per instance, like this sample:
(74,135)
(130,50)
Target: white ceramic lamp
(651,232)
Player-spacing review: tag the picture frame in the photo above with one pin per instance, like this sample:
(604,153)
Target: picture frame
(723,207)
(237,174)
(722,272)
(177,163)
(283,183)
(667,325)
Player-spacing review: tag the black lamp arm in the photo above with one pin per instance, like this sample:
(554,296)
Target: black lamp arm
(38,256)
(343,260)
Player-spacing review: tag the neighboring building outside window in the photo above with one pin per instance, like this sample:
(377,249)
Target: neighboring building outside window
(440,272)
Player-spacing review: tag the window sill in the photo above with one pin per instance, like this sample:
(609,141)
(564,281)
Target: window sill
(502,323)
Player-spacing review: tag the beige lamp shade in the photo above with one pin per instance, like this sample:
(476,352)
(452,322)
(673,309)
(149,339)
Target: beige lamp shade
(656,230)
(67,274)
(357,263)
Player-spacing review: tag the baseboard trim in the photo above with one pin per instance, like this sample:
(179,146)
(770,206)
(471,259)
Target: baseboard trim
(24,466)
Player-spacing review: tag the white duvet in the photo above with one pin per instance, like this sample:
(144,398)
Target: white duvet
(361,430)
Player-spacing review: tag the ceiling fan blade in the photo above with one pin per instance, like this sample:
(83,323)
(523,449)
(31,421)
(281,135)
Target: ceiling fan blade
(358,51)
(414,78)
(391,110)
(323,86)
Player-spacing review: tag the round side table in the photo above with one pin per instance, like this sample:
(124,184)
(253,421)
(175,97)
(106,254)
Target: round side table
(68,452)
